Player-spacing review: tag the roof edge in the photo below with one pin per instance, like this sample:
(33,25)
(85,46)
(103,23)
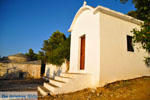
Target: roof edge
(83,8)
(117,14)
(106,11)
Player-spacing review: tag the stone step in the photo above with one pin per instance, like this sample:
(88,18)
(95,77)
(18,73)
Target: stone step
(50,86)
(72,75)
(62,78)
(43,91)
(56,82)
(67,75)
(65,83)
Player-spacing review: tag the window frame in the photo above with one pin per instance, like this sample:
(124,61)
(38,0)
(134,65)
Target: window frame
(130,47)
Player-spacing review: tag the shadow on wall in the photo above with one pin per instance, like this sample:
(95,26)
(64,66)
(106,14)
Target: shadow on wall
(48,72)
(57,73)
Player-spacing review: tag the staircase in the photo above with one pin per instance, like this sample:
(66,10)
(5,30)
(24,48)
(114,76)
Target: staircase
(66,82)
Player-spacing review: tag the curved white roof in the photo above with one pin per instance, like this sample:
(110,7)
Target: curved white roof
(106,11)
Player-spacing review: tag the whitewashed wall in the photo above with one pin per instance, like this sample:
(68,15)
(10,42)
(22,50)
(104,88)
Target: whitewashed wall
(116,63)
(51,69)
(86,24)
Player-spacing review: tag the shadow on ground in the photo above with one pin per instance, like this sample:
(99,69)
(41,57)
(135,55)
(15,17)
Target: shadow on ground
(20,84)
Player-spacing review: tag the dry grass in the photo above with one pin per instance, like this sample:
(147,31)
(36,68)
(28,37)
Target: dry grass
(135,89)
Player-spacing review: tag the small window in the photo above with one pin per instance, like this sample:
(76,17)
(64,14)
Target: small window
(129,44)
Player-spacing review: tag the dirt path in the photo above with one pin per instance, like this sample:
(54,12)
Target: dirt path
(135,89)
(20,85)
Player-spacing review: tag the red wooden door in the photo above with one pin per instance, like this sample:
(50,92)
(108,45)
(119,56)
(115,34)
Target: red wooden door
(82,55)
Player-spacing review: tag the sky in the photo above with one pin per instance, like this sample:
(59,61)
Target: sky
(25,24)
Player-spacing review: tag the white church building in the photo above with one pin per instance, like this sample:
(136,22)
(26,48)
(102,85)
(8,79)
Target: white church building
(101,51)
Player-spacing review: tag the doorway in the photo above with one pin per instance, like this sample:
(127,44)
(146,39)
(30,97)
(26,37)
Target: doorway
(21,75)
(82,53)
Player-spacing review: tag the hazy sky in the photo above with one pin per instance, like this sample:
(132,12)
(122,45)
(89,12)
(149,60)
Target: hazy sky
(25,24)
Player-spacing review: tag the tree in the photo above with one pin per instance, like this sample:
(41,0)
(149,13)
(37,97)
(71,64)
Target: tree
(142,36)
(56,50)
(65,47)
(66,51)
(142,11)
(53,42)
(60,54)
(31,55)
(55,57)
(46,47)
(133,14)
(41,56)
(52,50)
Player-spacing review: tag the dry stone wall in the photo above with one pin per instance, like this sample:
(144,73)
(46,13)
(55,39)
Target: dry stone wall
(18,70)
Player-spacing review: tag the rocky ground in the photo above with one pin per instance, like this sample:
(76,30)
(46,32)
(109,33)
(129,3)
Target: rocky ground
(134,89)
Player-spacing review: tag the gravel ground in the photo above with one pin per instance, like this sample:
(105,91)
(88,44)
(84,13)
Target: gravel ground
(20,85)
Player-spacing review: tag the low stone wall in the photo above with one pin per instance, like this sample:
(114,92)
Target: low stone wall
(14,70)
